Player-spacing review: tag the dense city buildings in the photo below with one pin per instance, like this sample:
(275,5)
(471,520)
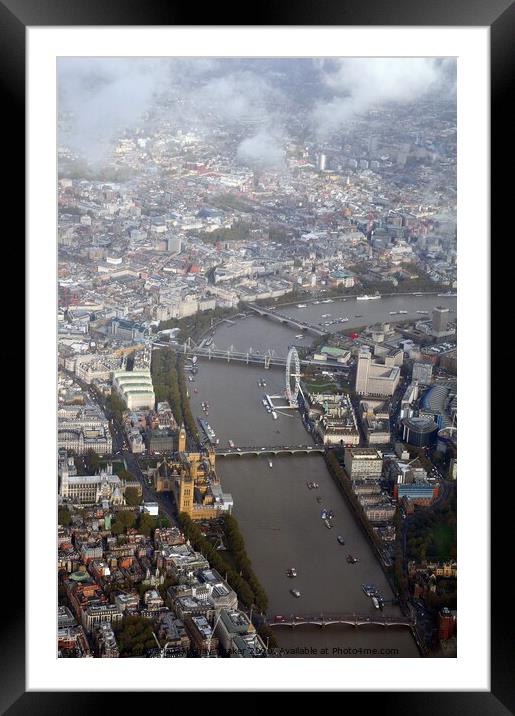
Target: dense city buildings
(334,418)
(257,350)
(83,428)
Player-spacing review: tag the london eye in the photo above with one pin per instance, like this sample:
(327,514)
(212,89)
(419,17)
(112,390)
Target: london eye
(292,376)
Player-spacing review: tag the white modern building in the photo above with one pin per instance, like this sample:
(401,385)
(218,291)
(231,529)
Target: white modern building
(375,378)
(363,463)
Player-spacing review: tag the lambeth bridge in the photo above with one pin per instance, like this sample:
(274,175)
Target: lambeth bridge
(270,450)
(354,620)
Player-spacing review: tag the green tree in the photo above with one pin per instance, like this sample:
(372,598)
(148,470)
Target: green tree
(134,636)
(248,593)
(64,517)
(92,461)
(117,528)
(115,406)
(163,521)
(142,588)
(124,474)
(267,635)
(132,496)
(163,588)
(147,523)
(124,519)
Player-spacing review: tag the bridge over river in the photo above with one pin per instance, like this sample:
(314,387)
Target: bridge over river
(354,620)
(270,450)
(250,357)
(287,320)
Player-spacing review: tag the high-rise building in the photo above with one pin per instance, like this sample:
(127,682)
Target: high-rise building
(422,372)
(402,155)
(439,323)
(321,162)
(375,378)
(373,143)
(174,244)
(363,368)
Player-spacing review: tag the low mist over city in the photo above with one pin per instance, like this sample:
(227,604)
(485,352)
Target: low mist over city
(257,339)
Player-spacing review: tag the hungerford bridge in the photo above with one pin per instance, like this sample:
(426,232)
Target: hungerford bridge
(229,354)
(250,357)
(354,620)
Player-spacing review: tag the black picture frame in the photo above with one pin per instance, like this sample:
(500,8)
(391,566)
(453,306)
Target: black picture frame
(499,16)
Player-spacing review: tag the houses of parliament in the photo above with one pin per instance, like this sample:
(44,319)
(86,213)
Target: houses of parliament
(192,479)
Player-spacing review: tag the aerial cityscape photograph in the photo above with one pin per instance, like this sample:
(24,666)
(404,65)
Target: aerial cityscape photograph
(257,357)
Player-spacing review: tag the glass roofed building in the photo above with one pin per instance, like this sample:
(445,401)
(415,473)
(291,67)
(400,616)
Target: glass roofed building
(135,388)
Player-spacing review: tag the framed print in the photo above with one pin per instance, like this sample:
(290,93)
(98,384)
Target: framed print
(243,426)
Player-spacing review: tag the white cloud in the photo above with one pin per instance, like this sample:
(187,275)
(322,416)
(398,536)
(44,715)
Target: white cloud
(106,96)
(359,84)
(262,150)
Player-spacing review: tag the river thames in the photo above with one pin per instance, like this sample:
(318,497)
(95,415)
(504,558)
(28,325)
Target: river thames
(279,515)
(264,334)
